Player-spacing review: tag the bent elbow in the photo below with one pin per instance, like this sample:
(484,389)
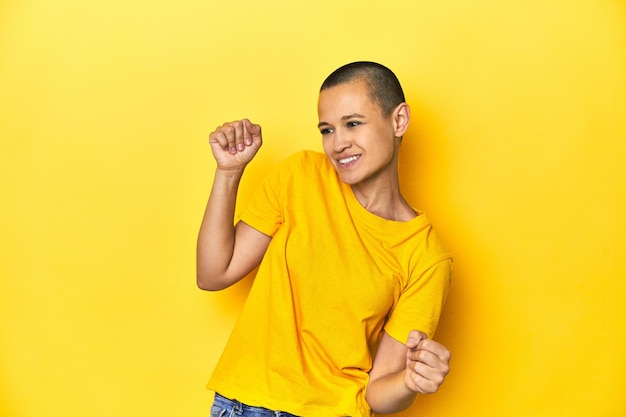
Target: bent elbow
(210,279)
(207,284)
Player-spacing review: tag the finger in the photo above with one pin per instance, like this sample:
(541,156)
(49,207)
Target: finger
(253,131)
(423,356)
(425,379)
(247,133)
(436,348)
(433,370)
(428,366)
(219,138)
(228,132)
(432,373)
(415,337)
(239,129)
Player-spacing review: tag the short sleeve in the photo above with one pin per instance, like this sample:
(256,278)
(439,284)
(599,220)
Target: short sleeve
(420,303)
(264,211)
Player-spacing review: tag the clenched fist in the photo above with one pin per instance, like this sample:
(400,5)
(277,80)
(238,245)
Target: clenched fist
(427,363)
(234,144)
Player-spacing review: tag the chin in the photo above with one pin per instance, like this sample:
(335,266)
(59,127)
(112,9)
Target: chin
(349,179)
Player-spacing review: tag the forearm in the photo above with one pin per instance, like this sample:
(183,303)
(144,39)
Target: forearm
(216,239)
(389,394)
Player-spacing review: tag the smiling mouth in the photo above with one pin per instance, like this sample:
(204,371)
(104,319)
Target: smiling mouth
(349,160)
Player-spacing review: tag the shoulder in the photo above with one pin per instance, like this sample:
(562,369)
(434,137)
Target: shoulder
(308,163)
(425,247)
(306,157)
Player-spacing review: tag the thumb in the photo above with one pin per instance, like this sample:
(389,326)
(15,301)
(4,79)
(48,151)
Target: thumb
(415,337)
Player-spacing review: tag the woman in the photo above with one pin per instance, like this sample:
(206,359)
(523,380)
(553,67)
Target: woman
(351,278)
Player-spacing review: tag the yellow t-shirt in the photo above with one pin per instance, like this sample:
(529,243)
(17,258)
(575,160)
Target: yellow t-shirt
(333,277)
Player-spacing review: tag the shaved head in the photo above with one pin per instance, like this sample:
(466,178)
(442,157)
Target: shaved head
(383,85)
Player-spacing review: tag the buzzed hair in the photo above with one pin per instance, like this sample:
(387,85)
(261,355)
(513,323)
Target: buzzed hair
(383,85)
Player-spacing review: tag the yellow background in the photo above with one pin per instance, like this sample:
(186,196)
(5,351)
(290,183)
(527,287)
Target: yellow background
(517,151)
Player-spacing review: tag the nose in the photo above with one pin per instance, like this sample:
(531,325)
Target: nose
(341,141)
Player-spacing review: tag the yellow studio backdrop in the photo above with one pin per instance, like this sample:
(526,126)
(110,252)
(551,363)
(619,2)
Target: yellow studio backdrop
(517,151)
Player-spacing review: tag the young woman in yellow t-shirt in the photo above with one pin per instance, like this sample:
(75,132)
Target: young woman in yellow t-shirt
(362,119)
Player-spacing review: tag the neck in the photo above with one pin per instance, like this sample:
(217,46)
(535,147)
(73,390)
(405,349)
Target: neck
(384,200)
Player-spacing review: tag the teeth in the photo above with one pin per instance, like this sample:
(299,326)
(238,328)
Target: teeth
(349,159)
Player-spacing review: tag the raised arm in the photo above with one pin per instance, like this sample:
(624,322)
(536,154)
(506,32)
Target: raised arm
(226,253)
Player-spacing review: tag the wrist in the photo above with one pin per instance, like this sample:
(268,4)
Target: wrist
(390,394)
(229,173)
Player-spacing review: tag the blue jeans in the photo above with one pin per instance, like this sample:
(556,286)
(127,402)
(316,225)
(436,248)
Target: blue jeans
(223,407)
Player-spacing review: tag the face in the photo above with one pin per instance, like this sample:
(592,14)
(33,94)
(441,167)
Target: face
(359,141)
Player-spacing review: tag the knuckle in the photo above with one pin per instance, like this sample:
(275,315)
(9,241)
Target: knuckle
(438,379)
(426,387)
(217,136)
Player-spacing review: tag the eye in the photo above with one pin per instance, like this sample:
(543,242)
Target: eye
(326,131)
(353,123)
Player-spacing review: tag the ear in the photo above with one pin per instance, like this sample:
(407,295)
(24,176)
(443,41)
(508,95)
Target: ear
(401,119)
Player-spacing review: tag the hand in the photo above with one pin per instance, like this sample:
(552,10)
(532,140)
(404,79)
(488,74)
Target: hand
(427,363)
(234,144)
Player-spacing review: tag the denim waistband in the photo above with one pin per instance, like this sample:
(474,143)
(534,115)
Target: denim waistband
(225,407)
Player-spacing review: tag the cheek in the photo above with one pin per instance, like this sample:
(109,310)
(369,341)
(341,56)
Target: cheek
(385,152)
(382,141)
(327,146)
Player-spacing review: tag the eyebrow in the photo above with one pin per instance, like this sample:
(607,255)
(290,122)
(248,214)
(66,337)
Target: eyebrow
(346,117)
